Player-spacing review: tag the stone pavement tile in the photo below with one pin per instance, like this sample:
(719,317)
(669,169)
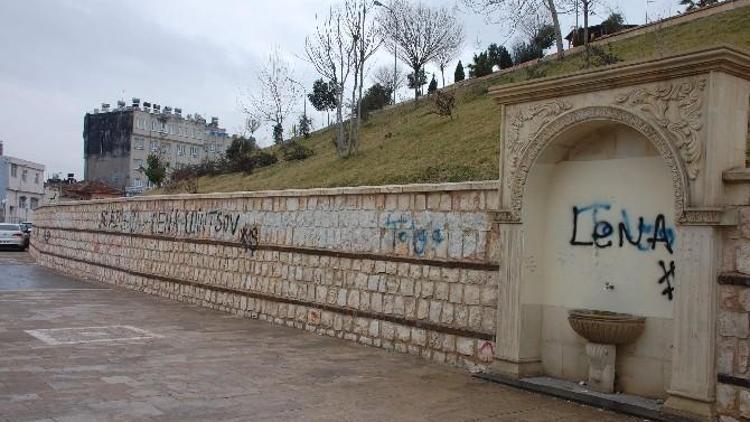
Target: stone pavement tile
(209,366)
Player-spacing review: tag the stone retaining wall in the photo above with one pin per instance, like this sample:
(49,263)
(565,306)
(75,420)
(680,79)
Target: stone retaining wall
(733,348)
(410,268)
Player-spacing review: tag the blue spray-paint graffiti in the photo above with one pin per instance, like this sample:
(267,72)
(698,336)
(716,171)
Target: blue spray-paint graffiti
(647,235)
(421,239)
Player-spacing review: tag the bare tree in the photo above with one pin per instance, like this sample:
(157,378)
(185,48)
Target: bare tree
(330,51)
(420,32)
(252,125)
(275,96)
(451,49)
(533,25)
(365,36)
(384,76)
(517,11)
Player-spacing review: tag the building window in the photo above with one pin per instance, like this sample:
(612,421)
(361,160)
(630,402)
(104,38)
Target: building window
(166,148)
(36,178)
(194,151)
(24,174)
(139,143)
(22,202)
(138,163)
(212,147)
(154,146)
(13,170)
(34,203)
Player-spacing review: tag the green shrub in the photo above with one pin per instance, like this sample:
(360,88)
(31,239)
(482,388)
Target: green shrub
(264,159)
(445,104)
(598,56)
(296,151)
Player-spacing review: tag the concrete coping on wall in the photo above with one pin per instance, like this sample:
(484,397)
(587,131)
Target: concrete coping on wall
(727,59)
(359,190)
(737,176)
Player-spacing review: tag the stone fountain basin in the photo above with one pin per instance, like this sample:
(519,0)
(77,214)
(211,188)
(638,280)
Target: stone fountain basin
(604,327)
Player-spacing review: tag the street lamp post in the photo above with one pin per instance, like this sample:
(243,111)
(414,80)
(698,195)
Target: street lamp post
(395,46)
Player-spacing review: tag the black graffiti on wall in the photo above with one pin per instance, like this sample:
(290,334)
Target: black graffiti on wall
(667,278)
(187,222)
(249,238)
(647,235)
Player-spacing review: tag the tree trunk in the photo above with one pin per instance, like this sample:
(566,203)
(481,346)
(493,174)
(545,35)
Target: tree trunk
(442,74)
(556,23)
(340,141)
(415,80)
(353,118)
(586,31)
(359,105)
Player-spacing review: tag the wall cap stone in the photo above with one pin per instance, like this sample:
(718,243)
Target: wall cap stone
(734,279)
(737,175)
(487,185)
(727,59)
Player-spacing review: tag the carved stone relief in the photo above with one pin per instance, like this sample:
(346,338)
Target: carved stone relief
(678,108)
(525,125)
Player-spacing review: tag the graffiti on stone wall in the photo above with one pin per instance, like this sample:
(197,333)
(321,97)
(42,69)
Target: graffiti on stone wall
(667,279)
(249,238)
(419,237)
(644,234)
(189,222)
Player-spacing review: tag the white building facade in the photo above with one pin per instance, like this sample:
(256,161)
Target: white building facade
(118,142)
(21,189)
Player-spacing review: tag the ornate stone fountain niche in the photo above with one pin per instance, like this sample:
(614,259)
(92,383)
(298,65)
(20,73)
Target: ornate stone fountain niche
(599,231)
(614,177)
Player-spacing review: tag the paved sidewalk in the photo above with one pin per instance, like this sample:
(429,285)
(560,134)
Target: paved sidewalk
(73,351)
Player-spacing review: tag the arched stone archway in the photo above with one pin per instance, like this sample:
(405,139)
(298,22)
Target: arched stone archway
(598,230)
(586,115)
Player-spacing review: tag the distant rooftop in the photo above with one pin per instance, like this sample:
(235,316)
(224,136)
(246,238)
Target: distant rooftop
(22,162)
(153,108)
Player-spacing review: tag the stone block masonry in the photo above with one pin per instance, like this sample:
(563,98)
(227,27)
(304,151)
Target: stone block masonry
(733,342)
(407,268)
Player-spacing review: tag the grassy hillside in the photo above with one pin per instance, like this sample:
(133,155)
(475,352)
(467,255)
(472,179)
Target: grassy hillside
(406,144)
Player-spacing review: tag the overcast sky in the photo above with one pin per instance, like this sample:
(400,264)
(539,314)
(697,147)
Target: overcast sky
(61,59)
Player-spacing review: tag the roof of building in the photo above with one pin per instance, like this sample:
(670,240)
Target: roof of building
(22,162)
(88,188)
(595,29)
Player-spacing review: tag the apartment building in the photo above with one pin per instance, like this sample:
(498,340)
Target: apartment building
(21,188)
(118,141)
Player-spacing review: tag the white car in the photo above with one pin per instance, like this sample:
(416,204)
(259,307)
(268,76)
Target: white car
(12,235)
